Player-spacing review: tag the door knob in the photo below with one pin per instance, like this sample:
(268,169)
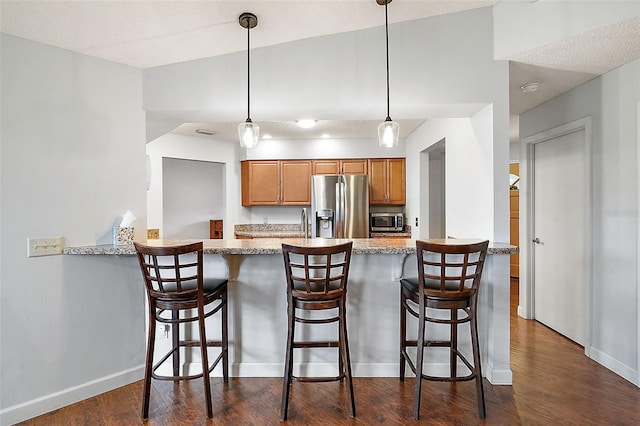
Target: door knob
(536,240)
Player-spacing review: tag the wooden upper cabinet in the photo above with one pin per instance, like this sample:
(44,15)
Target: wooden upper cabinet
(397,181)
(276,182)
(326,167)
(260,183)
(354,167)
(295,182)
(288,182)
(335,167)
(378,181)
(387,181)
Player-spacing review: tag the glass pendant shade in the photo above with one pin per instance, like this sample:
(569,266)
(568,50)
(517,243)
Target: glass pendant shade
(388,132)
(248,133)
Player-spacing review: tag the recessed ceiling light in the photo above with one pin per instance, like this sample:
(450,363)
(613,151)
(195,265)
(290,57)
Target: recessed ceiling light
(325,136)
(306,124)
(205,132)
(530,87)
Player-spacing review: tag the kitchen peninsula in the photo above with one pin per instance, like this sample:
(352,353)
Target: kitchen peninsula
(258,309)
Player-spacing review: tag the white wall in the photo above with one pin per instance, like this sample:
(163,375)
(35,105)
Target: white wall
(193,195)
(202,149)
(611,102)
(435,64)
(72,162)
(469,174)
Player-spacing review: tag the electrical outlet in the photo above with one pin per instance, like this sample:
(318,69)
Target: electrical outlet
(48,246)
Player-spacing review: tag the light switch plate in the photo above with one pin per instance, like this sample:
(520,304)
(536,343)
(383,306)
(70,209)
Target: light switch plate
(48,246)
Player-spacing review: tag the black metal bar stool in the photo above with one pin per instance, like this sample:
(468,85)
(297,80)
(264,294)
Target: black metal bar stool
(174,281)
(317,281)
(449,273)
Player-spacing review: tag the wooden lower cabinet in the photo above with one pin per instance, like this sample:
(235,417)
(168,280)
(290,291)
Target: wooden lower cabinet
(276,182)
(514,223)
(215,229)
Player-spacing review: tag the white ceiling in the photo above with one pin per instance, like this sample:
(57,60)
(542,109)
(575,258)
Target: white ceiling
(150,33)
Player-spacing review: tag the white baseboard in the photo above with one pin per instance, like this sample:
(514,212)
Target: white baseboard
(614,365)
(498,377)
(48,403)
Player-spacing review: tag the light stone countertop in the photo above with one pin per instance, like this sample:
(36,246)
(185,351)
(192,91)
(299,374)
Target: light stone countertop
(288,230)
(274,246)
(275,230)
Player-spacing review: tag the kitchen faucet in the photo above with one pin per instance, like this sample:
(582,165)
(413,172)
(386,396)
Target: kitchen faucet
(304,223)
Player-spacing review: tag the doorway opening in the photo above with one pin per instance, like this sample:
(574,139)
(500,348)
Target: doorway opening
(433,191)
(192,195)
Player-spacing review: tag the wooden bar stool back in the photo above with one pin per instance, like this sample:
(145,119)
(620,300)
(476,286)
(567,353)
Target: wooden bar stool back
(449,273)
(317,281)
(175,288)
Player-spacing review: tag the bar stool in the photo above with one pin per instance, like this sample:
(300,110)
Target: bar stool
(174,283)
(449,273)
(317,281)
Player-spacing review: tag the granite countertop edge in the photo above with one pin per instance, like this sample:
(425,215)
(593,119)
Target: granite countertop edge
(273,246)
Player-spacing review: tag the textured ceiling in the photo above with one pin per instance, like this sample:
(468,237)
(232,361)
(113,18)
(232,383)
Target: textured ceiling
(156,32)
(290,130)
(149,33)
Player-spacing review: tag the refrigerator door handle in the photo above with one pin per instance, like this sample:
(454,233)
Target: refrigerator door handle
(340,209)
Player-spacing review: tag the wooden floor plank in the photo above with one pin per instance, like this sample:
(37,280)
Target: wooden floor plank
(554,383)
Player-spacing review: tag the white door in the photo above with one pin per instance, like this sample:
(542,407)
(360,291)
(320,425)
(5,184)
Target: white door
(559,252)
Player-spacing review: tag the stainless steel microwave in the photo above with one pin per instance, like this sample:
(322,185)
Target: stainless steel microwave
(387,222)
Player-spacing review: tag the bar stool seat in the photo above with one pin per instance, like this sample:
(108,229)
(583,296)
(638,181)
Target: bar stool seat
(449,274)
(317,281)
(175,287)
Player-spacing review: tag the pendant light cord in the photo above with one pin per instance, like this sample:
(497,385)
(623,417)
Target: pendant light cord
(386,26)
(248,70)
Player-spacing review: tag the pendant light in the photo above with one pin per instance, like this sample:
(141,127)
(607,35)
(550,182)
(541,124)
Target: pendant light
(248,131)
(388,130)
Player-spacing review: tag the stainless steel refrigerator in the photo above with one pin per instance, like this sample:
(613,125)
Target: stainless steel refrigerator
(339,206)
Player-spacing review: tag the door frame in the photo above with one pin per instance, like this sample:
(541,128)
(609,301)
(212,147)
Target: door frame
(638,254)
(526,307)
(424,218)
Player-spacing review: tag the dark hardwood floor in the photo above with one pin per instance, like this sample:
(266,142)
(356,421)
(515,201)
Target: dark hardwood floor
(553,384)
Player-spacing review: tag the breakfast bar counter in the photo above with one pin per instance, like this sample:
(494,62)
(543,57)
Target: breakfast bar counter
(274,246)
(258,306)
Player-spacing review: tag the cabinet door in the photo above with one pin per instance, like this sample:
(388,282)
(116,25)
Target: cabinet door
(378,181)
(260,183)
(326,167)
(353,167)
(296,182)
(397,181)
